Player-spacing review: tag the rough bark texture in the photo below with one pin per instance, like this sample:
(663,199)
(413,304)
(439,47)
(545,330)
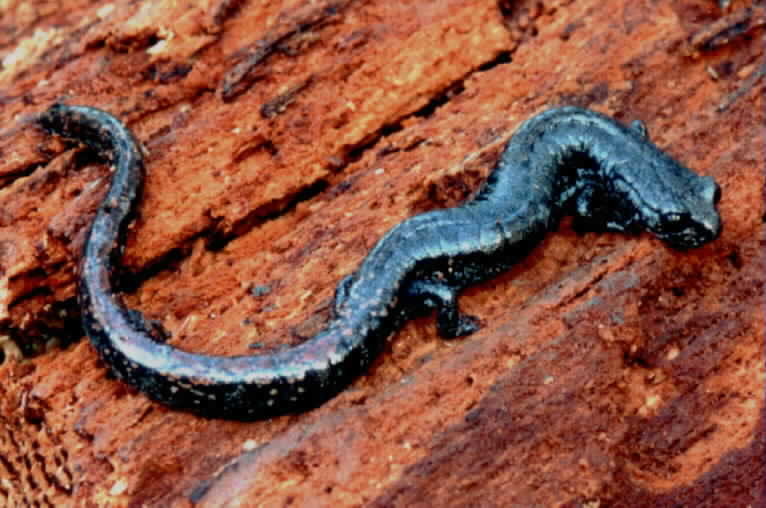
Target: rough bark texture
(283,139)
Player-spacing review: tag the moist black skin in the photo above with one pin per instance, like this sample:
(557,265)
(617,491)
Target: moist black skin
(563,161)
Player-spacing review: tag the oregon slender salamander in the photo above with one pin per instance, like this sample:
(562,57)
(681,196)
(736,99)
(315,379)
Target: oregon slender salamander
(564,160)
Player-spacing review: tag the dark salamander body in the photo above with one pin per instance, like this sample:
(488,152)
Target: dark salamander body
(563,161)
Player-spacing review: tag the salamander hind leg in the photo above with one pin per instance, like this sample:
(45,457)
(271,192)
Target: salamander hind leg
(450,322)
(151,326)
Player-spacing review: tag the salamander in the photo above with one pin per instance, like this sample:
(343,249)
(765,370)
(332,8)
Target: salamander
(565,160)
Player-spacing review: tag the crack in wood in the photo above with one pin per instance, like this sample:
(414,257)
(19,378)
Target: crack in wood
(247,71)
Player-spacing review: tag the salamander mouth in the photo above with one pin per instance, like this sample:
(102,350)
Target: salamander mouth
(691,238)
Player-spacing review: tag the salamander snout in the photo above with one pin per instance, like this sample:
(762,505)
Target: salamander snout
(698,222)
(705,215)
(709,190)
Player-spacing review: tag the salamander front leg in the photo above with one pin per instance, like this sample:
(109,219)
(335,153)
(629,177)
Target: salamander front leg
(450,322)
(590,209)
(595,212)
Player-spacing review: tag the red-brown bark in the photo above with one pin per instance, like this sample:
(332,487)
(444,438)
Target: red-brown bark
(283,139)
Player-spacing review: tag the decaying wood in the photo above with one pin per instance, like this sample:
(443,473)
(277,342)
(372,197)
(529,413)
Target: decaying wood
(283,139)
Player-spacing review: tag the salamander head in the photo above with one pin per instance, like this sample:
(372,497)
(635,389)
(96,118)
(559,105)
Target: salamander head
(685,216)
